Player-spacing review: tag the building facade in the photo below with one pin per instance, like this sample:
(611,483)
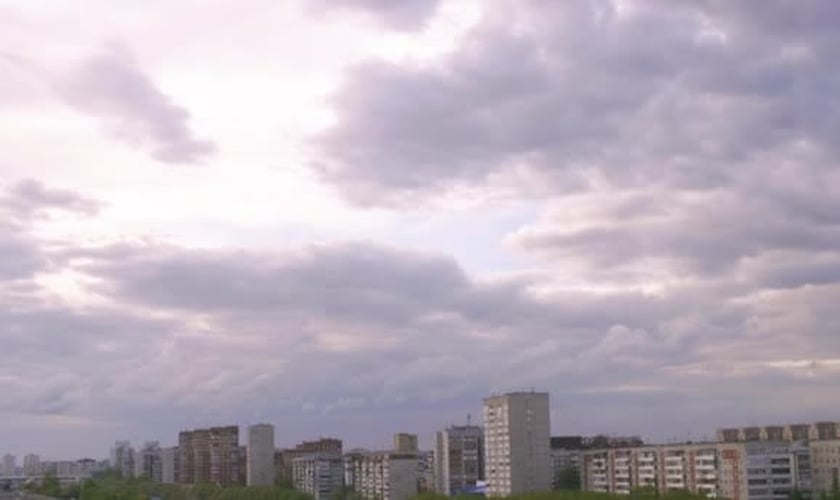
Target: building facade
(210,456)
(385,475)
(319,474)
(260,455)
(459,459)
(516,443)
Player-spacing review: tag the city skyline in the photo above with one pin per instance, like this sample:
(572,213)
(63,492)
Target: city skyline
(356,218)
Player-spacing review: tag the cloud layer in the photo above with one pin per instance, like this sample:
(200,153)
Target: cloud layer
(671,264)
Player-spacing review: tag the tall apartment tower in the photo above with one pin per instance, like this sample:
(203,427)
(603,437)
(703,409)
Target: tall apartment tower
(516,443)
(459,459)
(260,452)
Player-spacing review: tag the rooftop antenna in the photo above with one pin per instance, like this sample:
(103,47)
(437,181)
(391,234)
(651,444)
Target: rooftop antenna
(469,419)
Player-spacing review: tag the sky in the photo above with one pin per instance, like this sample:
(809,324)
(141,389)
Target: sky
(357,217)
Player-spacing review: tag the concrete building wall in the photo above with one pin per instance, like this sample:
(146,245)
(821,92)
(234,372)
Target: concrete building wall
(517,437)
(260,453)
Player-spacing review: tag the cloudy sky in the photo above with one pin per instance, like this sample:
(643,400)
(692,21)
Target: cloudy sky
(356,217)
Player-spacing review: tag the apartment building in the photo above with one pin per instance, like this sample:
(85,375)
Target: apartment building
(689,467)
(764,470)
(426,471)
(787,432)
(169,465)
(825,465)
(122,458)
(516,443)
(284,459)
(320,474)
(148,462)
(260,469)
(385,475)
(565,456)
(459,459)
(210,456)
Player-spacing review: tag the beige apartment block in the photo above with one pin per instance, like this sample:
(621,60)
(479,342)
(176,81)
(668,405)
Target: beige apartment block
(516,443)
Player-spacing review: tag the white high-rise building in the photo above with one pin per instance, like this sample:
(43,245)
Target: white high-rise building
(459,459)
(517,436)
(9,466)
(260,464)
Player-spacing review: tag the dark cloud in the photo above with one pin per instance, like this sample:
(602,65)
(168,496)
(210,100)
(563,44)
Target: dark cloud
(112,87)
(409,15)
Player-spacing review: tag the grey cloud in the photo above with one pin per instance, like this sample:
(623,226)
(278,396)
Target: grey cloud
(112,87)
(30,197)
(341,334)
(406,15)
(679,94)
